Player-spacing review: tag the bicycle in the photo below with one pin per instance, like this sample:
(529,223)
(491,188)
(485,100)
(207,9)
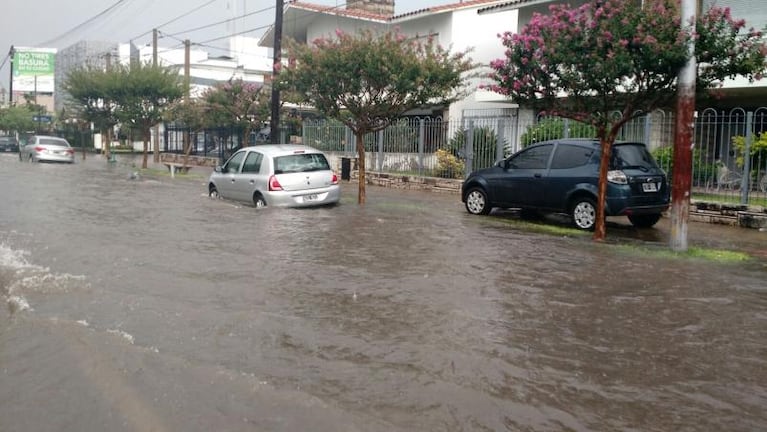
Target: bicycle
(727,178)
(732,180)
(761,183)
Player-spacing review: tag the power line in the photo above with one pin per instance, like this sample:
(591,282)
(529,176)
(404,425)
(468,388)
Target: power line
(86,22)
(175,19)
(263,27)
(5,60)
(222,22)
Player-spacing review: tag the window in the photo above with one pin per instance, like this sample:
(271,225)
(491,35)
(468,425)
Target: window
(532,158)
(631,156)
(53,141)
(233,164)
(300,163)
(570,156)
(252,162)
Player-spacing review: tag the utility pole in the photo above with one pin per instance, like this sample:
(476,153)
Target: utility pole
(187,66)
(274,125)
(10,83)
(108,144)
(154,47)
(683,136)
(187,85)
(156,128)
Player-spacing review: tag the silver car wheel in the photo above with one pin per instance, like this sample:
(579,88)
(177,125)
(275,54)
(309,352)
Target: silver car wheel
(584,215)
(213,193)
(259,201)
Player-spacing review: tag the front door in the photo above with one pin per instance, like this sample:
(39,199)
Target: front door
(523,181)
(228,187)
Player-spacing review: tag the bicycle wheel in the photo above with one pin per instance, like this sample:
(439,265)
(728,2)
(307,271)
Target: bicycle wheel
(730,181)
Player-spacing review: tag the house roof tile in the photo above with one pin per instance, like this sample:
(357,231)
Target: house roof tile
(353,13)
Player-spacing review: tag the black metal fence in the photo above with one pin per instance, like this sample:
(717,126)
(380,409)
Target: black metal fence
(446,148)
(218,142)
(453,148)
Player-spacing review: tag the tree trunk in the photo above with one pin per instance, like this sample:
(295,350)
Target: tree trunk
(146,148)
(82,142)
(156,148)
(360,137)
(246,137)
(606,144)
(106,145)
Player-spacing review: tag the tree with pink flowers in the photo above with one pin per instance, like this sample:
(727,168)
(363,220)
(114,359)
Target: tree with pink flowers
(609,61)
(366,80)
(239,104)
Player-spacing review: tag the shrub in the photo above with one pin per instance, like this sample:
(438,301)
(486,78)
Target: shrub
(703,171)
(554,128)
(758,150)
(485,142)
(448,165)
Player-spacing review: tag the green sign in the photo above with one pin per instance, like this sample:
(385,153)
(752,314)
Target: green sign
(33,63)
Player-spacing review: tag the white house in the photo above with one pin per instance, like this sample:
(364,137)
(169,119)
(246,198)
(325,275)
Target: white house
(246,60)
(475,24)
(458,25)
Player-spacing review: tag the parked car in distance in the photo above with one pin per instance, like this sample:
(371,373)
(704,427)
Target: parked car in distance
(281,175)
(562,176)
(8,144)
(43,148)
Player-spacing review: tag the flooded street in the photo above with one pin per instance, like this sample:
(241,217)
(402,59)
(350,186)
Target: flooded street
(139,304)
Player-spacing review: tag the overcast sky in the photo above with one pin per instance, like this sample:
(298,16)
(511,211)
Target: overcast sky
(61,23)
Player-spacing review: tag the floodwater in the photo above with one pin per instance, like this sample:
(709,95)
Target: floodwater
(139,304)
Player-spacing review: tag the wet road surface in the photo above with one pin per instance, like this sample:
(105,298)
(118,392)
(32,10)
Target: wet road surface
(139,304)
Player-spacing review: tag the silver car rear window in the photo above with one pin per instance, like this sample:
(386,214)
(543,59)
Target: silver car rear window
(52,141)
(300,163)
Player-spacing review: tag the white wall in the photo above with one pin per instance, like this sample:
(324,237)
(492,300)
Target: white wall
(479,32)
(325,26)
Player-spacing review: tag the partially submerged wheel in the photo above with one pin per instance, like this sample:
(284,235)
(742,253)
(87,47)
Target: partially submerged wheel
(476,202)
(213,192)
(258,200)
(584,213)
(644,220)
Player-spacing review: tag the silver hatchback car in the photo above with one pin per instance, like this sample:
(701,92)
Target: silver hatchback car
(42,148)
(281,175)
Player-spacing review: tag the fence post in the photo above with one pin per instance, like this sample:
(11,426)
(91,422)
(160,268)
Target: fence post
(469,148)
(515,136)
(499,140)
(566,128)
(380,150)
(647,130)
(421,134)
(351,140)
(745,182)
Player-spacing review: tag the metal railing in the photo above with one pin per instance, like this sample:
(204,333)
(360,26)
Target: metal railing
(452,148)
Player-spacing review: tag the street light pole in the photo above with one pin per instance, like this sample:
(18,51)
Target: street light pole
(275,120)
(11,53)
(683,136)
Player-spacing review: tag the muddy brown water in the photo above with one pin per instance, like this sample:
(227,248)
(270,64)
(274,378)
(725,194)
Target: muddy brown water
(139,304)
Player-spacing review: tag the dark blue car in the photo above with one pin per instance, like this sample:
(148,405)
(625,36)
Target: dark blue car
(562,176)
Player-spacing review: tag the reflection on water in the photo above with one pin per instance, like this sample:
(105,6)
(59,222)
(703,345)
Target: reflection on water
(164,310)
